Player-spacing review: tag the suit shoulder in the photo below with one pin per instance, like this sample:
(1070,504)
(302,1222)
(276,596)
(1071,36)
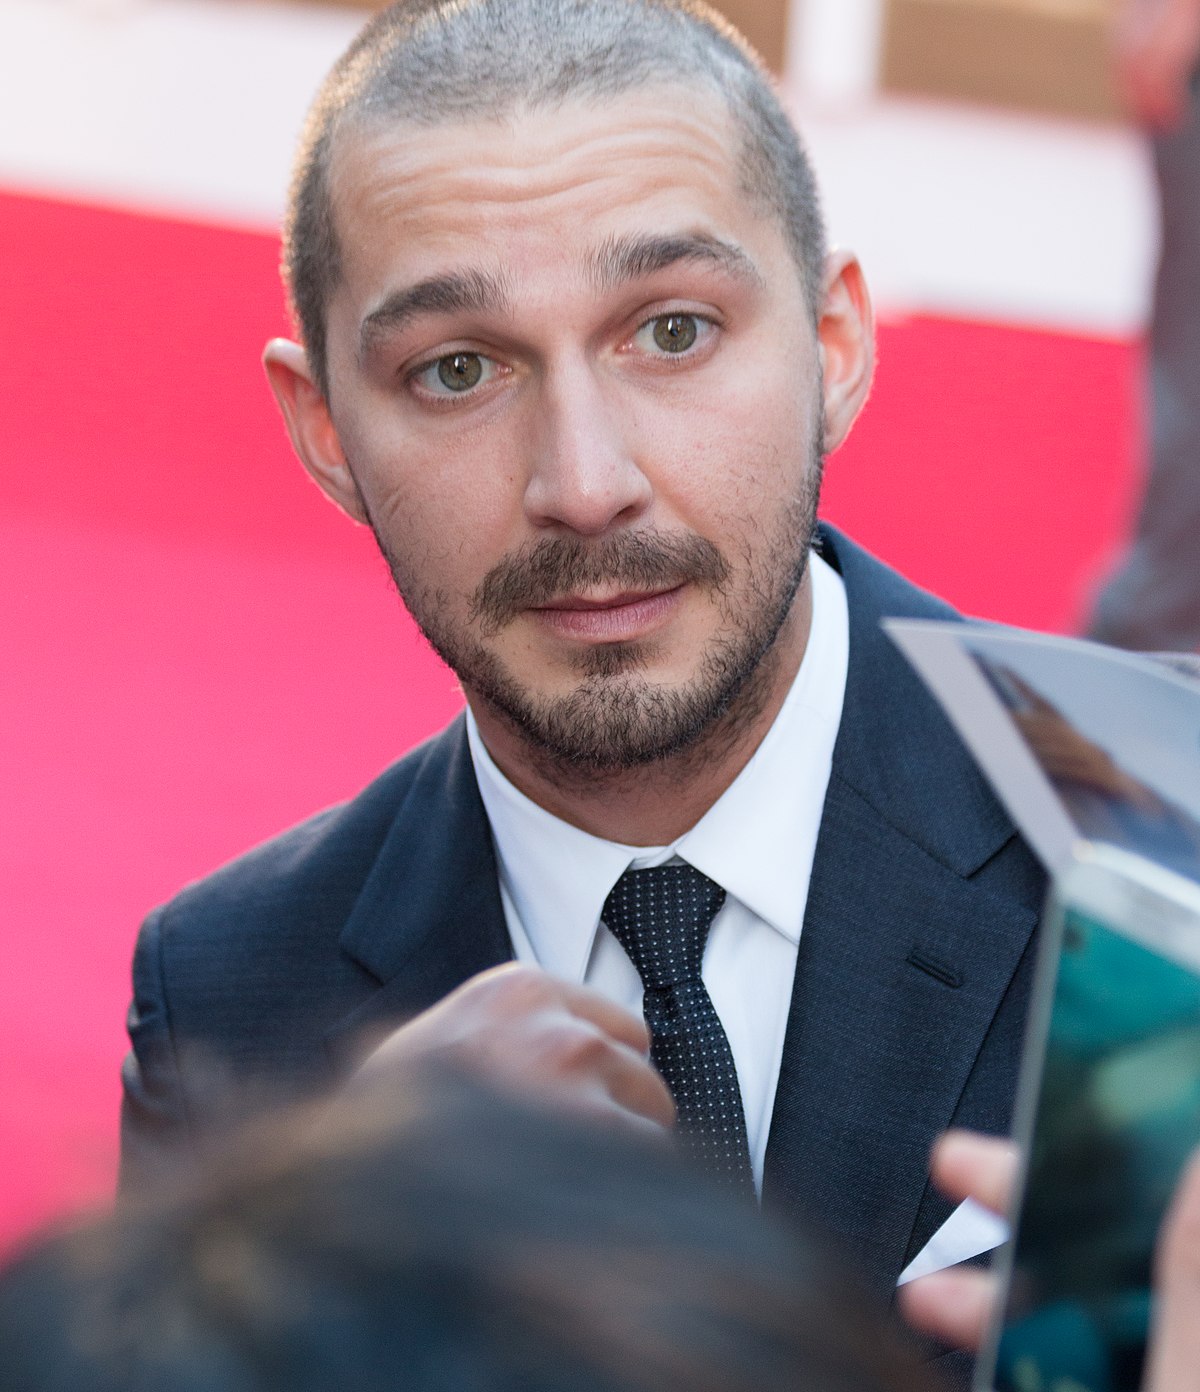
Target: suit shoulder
(312,870)
(873,584)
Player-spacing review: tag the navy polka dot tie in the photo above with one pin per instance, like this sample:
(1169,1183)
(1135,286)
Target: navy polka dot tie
(661,918)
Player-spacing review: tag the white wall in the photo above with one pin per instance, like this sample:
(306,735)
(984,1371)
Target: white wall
(185,105)
(192,106)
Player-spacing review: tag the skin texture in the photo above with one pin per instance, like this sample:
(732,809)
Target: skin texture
(583,435)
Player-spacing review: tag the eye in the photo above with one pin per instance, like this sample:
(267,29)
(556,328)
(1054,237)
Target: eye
(455,374)
(674,333)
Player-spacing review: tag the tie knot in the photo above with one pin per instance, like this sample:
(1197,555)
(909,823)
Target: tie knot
(661,918)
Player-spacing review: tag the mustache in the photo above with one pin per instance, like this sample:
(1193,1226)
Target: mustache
(554,566)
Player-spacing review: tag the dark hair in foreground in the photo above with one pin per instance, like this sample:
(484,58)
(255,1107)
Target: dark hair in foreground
(440,1239)
(434,62)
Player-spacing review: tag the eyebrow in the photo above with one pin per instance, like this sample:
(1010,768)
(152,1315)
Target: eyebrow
(618,261)
(455,292)
(623,259)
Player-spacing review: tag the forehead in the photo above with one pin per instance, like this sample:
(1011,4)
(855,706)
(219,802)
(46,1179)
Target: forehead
(536,187)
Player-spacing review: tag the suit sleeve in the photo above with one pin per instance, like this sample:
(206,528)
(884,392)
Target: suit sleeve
(155,1132)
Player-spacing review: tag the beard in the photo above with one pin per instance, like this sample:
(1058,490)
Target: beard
(617,718)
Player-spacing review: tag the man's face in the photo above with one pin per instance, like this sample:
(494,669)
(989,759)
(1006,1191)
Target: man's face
(576,386)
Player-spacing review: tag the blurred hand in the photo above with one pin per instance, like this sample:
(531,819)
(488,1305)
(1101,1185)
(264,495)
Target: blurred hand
(519,1029)
(954,1306)
(1156,46)
(1173,1360)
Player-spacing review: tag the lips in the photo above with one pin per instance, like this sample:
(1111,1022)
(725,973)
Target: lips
(637,565)
(617,601)
(608,618)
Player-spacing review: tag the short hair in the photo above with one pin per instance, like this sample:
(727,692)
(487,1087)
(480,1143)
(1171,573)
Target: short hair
(438,1238)
(432,62)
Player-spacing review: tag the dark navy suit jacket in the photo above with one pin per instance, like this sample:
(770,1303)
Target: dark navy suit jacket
(911,983)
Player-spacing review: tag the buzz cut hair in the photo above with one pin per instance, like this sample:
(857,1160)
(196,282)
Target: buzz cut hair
(429,63)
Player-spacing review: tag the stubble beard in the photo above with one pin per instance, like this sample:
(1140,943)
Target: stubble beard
(617,719)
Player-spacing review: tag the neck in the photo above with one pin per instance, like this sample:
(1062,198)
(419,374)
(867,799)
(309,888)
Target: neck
(655,803)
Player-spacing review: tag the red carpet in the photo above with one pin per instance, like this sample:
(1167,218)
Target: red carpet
(198,650)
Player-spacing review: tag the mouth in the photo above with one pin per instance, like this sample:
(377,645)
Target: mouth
(613,618)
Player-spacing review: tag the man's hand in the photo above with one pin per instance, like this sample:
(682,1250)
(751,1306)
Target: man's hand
(954,1306)
(1156,46)
(521,1030)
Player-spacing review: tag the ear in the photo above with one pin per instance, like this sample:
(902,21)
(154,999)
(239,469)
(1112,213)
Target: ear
(309,423)
(846,334)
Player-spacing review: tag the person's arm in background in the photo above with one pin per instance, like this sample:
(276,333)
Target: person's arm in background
(954,1306)
(1156,49)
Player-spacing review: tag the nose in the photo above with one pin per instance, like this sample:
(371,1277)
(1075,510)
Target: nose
(583,474)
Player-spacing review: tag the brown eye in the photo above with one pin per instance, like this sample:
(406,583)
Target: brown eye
(460,371)
(675,333)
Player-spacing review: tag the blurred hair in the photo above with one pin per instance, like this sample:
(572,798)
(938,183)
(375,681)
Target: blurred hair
(433,62)
(440,1239)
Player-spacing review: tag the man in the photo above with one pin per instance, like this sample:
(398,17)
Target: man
(573,348)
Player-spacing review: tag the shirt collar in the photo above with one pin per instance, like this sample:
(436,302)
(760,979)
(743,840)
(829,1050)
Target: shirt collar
(756,840)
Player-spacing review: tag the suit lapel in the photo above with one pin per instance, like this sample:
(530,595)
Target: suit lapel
(429,915)
(903,959)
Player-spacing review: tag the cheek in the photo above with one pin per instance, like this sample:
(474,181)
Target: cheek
(754,417)
(443,514)
(747,459)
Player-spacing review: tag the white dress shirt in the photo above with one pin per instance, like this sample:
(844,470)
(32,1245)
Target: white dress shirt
(757,841)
